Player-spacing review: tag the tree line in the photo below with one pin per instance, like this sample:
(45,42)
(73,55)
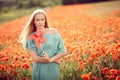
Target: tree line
(18,4)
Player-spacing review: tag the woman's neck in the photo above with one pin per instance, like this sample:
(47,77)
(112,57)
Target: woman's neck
(43,30)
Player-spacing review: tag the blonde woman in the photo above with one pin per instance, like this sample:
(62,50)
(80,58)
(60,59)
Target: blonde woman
(45,46)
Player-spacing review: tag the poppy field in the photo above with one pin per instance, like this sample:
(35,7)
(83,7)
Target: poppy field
(91,34)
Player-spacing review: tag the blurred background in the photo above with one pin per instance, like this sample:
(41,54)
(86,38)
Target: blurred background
(90,29)
(11,9)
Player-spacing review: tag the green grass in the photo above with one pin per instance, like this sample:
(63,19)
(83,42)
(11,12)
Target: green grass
(14,14)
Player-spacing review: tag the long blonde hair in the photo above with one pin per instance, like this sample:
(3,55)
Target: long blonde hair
(30,27)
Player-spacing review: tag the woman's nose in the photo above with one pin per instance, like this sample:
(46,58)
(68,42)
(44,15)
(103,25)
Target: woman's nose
(40,22)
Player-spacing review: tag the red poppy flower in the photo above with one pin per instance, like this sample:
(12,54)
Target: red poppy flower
(118,78)
(114,72)
(25,66)
(15,73)
(105,70)
(86,77)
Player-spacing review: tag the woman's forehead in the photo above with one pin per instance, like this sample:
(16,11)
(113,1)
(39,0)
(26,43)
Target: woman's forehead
(39,15)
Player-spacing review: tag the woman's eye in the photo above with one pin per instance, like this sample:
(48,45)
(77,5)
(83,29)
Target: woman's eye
(37,19)
(42,19)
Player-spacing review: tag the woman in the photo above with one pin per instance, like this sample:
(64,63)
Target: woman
(45,45)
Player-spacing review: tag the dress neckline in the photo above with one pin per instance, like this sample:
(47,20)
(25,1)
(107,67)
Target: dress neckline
(47,33)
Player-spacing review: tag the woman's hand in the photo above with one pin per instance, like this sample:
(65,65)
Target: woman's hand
(51,60)
(59,61)
(42,59)
(45,57)
(57,58)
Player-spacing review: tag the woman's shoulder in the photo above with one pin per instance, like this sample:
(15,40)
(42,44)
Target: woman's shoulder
(53,31)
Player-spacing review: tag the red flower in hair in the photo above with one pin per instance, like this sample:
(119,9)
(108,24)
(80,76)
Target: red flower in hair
(38,38)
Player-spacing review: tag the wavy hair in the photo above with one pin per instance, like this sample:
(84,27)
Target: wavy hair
(30,27)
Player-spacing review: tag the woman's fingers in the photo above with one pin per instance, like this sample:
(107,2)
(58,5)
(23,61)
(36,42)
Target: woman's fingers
(59,61)
(45,60)
(45,55)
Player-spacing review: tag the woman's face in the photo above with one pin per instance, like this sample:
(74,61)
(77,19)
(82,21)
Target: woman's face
(39,20)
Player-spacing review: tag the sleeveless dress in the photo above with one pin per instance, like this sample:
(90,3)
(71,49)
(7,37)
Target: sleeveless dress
(53,46)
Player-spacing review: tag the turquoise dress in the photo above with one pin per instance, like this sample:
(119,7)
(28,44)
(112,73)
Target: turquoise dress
(53,46)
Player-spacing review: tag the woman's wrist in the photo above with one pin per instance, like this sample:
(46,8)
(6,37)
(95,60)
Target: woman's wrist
(51,60)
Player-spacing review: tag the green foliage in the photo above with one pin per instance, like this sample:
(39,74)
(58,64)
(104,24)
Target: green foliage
(13,14)
(29,3)
(70,68)
(19,8)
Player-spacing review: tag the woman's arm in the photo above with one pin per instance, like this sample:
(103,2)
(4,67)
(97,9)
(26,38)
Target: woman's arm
(37,58)
(57,57)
